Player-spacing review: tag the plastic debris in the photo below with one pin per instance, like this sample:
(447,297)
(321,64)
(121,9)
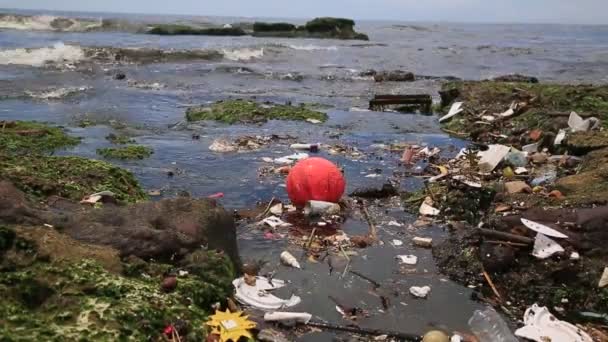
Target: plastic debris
(531,148)
(542,326)
(559,138)
(397,243)
(373,175)
(98,196)
(291,158)
(395,224)
(407,259)
(545,247)
(258,297)
(313,208)
(435,336)
(275,222)
(443,172)
(422,242)
(230,326)
(314,121)
(290,317)
(420,292)
(277,209)
(574,256)
(426,208)
(578,124)
(604,279)
(222,146)
(517,187)
(517,158)
(315,179)
(407,155)
(427,153)
(541,228)
(307,147)
(454,110)
(520,170)
(216,195)
(547,176)
(509,112)
(289,260)
(490,158)
(488,326)
(464,180)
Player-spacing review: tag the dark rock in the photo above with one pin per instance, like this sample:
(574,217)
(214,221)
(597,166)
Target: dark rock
(368,73)
(516,78)
(120,76)
(394,76)
(272,27)
(448,96)
(496,258)
(387,190)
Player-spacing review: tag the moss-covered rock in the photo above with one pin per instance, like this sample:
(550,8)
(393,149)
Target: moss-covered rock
(127,152)
(326,27)
(18,137)
(590,184)
(233,111)
(272,27)
(119,139)
(174,29)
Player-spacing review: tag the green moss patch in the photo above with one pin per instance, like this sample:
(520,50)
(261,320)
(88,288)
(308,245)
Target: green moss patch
(119,139)
(326,27)
(27,137)
(233,111)
(173,30)
(127,152)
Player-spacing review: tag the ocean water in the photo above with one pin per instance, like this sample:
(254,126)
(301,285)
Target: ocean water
(64,76)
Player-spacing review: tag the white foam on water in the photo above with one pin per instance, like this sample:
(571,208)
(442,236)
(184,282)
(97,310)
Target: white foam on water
(58,53)
(244,54)
(58,93)
(47,23)
(313,47)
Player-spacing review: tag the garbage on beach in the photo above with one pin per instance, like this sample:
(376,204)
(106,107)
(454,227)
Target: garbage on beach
(291,158)
(275,222)
(435,336)
(314,121)
(517,158)
(277,209)
(96,197)
(408,259)
(315,179)
(517,187)
(578,124)
(520,170)
(545,247)
(222,146)
(604,279)
(489,326)
(289,260)
(314,208)
(531,148)
(454,110)
(542,326)
(541,228)
(397,243)
(466,181)
(426,208)
(489,159)
(422,242)
(230,326)
(420,292)
(306,147)
(258,297)
(289,317)
(559,138)
(443,172)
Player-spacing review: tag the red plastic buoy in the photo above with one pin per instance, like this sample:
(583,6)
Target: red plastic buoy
(315,179)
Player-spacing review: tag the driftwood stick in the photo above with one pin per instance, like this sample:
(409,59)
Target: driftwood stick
(372,227)
(362,276)
(369,332)
(505,236)
(491,283)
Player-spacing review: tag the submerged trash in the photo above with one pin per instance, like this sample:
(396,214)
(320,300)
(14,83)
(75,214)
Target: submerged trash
(291,317)
(289,260)
(275,222)
(407,259)
(426,208)
(488,326)
(542,326)
(541,228)
(230,326)
(422,242)
(314,208)
(454,110)
(489,159)
(420,292)
(307,147)
(290,159)
(258,297)
(544,247)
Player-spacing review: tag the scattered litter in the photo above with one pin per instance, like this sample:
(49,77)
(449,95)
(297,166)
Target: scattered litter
(578,124)
(435,336)
(454,110)
(489,326)
(222,146)
(258,297)
(574,256)
(306,147)
(395,224)
(490,158)
(314,208)
(420,292)
(509,112)
(428,153)
(559,138)
(426,208)
(289,260)
(229,326)
(407,155)
(277,209)
(423,242)
(517,187)
(531,148)
(548,175)
(541,228)
(545,247)
(542,326)
(604,279)
(443,172)
(154,192)
(275,222)
(98,196)
(268,160)
(520,170)
(464,180)
(314,121)
(408,259)
(517,158)
(289,317)
(291,158)
(489,118)
(373,175)
(397,243)
(216,195)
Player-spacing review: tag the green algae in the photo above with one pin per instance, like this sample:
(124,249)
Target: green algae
(119,139)
(322,28)
(233,111)
(127,152)
(176,29)
(27,137)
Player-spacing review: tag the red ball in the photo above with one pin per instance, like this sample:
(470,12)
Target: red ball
(315,179)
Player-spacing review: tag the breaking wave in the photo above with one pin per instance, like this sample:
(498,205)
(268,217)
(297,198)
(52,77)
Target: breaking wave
(244,54)
(48,23)
(312,47)
(57,93)
(58,53)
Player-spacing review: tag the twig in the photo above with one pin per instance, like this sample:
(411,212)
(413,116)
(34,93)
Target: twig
(459,134)
(491,283)
(308,244)
(362,276)
(364,331)
(428,189)
(515,244)
(347,258)
(266,210)
(505,236)
(372,227)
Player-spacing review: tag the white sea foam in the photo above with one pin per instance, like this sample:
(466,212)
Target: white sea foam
(58,93)
(244,54)
(58,53)
(313,47)
(47,23)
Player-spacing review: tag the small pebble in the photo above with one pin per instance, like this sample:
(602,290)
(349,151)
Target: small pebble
(169,284)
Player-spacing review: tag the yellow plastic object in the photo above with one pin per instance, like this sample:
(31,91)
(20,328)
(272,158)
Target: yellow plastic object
(230,326)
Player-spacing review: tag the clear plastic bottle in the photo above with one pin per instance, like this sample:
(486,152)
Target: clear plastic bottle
(488,326)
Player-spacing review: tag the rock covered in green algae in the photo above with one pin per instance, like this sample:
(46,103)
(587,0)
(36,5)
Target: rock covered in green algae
(17,137)
(233,111)
(326,27)
(119,139)
(175,29)
(70,297)
(127,152)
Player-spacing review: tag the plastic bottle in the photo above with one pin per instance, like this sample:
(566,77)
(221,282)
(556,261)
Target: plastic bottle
(488,326)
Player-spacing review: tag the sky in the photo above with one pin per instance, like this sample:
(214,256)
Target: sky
(491,11)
